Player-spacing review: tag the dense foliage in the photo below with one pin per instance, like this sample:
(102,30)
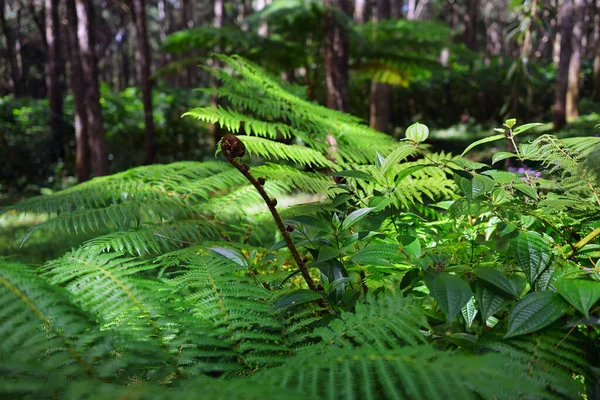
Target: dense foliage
(435,276)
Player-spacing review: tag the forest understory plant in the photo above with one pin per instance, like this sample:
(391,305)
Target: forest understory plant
(411,275)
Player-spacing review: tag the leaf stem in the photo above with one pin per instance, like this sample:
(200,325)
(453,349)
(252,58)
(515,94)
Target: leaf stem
(232,148)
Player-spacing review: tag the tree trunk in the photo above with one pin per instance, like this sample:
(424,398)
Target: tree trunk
(380,92)
(11,53)
(142,56)
(360,11)
(596,90)
(575,63)
(123,50)
(336,56)
(189,22)
(562,74)
(82,156)
(52,76)
(396,8)
(470,20)
(218,9)
(89,68)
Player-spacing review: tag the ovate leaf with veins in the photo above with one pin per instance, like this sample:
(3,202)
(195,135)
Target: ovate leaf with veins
(469,312)
(579,293)
(451,292)
(534,312)
(490,300)
(533,254)
(495,277)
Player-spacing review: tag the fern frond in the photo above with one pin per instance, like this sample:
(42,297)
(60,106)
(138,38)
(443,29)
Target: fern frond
(383,322)
(42,331)
(419,372)
(546,357)
(237,308)
(233,121)
(569,163)
(298,154)
(107,286)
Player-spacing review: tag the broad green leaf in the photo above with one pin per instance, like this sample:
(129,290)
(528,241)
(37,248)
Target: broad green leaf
(354,174)
(500,196)
(518,283)
(379,254)
(362,235)
(482,141)
(355,216)
(502,155)
(379,202)
(399,154)
(534,312)
(468,164)
(490,300)
(327,253)
(495,277)
(510,122)
(580,293)
(451,292)
(533,254)
(527,190)
(311,221)
(417,132)
(482,185)
(411,245)
(473,186)
(407,171)
(296,297)
(525,127)
(469,311)
(230,254)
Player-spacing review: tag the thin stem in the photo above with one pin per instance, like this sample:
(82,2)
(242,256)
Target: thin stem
(232,148)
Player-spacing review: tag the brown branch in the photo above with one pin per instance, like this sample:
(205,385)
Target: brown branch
(232,148)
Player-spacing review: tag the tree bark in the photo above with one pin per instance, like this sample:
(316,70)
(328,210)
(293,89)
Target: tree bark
(562,74)
(336,56)
(11,53)
(470,20)
(189,22)
(575,63)
(380,92)
(52,76)
(82,154)
(596,89)
(142,56)
(360,11)
(218,9)
(89,68)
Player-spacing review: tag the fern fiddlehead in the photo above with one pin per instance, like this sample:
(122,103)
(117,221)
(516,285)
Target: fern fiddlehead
(233,148)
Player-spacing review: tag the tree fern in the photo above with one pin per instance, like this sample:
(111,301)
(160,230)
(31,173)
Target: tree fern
(419,372)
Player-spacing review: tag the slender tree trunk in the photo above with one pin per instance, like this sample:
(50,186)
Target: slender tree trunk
(470,20)
(189,22)
(52,74)
(123,50)
(89,68)
(142,56)
(11,53)
(336,56)
(82,154)
(397,8)
(596,90)
(575,63)
(360,11)
(218,9)
(562,74)
(380,92)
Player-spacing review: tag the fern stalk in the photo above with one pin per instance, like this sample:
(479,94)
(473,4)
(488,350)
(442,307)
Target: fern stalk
(232,148)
